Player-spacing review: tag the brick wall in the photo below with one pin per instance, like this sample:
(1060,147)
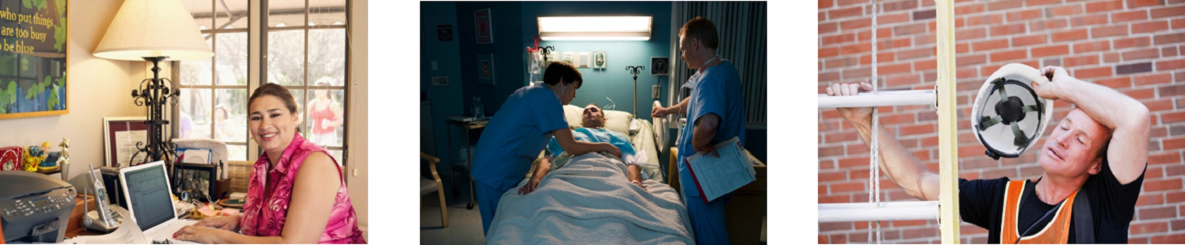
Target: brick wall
(1134,46)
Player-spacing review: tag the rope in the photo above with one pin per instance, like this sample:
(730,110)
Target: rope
(874,195)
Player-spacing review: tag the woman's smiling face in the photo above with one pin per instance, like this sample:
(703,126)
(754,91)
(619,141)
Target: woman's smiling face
(272,125)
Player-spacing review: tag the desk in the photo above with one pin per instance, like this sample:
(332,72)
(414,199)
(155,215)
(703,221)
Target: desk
(467,123)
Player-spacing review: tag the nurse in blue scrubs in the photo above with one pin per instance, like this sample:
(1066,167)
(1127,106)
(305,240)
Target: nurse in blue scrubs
(518,132)
(716,109)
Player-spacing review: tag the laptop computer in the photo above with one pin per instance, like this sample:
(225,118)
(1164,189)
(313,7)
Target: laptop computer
(147,192)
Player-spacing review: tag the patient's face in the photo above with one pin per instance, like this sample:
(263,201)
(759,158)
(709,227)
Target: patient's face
(271,124)
(593,117)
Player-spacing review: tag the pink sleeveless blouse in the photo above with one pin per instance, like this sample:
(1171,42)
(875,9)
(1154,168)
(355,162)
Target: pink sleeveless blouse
(270,191)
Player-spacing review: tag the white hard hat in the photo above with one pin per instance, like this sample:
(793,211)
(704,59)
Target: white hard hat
(1007,116)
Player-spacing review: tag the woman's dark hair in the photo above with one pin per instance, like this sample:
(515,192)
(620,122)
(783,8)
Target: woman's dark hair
(562,70)
(274,90)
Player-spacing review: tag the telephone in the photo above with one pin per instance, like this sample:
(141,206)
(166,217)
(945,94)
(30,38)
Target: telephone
(105,218)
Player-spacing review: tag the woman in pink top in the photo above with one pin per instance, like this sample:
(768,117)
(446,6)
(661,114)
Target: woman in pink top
(288,196)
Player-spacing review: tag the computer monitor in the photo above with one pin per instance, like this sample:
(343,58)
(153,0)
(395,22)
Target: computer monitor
(146,191)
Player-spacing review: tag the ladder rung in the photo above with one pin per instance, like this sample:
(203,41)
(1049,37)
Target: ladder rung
(905,210)
(881,98)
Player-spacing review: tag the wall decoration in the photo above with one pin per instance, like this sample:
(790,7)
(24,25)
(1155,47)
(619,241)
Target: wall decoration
(485,68)
(659,66)
(444,33)
(120,135)
(569,57)
(599,60)
(485,28)
(33,59)
(440,81)
(582,60)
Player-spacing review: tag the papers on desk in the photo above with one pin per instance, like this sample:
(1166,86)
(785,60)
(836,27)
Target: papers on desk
(715,177)
(128,233)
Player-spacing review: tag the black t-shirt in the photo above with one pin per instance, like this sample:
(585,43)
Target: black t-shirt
(1112,206)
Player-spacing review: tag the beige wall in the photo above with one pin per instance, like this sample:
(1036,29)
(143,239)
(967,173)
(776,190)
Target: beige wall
(96,88)
(358,178)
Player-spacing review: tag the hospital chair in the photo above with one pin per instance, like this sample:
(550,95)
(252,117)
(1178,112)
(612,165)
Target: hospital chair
(427,186)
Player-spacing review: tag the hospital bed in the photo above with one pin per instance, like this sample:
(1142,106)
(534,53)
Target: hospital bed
(589,200)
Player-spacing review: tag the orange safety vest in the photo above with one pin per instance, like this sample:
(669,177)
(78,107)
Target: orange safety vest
(1056,231)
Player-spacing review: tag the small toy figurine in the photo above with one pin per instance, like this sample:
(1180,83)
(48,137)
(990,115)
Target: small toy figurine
(64,159)
(34,155)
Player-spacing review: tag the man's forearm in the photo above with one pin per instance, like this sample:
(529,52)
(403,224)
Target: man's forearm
(680,108)
(1107,106)
(705,131)
(542,168)
(901,166)
(635,172)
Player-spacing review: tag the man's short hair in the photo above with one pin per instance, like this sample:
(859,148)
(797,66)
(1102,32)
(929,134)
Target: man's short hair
(559,69)
(701,29)
(595,105)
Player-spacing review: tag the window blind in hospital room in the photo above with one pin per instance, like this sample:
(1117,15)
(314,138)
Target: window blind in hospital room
(742,30)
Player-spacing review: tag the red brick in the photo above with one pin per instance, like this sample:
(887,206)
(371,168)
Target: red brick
(893,69)
(1115,83)
(901,80)
(1149,227)
(961,48)
(1092,72)
(1168,38)
(970,33)
(847,187)
(881,33)
(1129,16)
(917,129)
(1178,23)
(845,12)
(1143,3)
(1165,65)
(989,45)
(899,5)
(1003,30)
(1023,15)
(968,60)
(1141,54)
(1065,10)
(990,19)
(1107,31)
(915,53)
(1170,144)
(828,28)
(1104,6)
(1092,46)
(1141,94)
(1096,19)
(858,48)
(828,76)
(1111,57)
(1175,238)
(857,73)
(1009,55)
(892,18)
(837,39)
(909,29)
(880,57)
(1049,51)
(968,8)
(1167,157)
(1028,40)
(1154,26)
(855,24)
(1153,79)
(1123,43)
(1071,35)
(826,3)
(1162,185)
(1076,61)
(849,2)
(849,163)
(927,65)
(999,5)
(1157,213)
(1167,12)
(1168,52)
(1047,24)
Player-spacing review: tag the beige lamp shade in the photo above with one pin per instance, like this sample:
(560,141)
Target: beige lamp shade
(149,28)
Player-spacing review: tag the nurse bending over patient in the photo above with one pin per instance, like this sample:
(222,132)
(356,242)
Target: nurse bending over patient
(519,130)
(593,131)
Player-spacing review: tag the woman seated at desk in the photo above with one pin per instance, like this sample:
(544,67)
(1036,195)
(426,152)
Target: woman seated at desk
(287,201)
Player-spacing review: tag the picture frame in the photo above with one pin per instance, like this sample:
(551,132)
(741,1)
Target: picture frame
(485,69)
(483,25)
(39,66)
(120,135)
(660,66)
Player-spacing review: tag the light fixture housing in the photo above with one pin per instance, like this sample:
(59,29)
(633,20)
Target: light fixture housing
(595,28)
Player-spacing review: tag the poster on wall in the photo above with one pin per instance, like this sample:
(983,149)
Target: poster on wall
(485,30)
(485,68)
(32,58)
(120,136)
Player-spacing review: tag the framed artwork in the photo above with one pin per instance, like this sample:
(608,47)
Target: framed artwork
(33,59)
(483,25)
(485,68)
(660,66)
(120,135)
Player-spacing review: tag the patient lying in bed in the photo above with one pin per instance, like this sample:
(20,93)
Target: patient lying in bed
(593,131)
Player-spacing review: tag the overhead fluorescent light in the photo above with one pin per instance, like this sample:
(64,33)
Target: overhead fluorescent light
(595,28)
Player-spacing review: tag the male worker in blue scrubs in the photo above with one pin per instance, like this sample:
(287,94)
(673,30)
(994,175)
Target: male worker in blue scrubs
(715,108)
(519,131)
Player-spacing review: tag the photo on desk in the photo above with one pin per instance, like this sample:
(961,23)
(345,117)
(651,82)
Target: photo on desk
(998,122)
(174,127)
(499,161)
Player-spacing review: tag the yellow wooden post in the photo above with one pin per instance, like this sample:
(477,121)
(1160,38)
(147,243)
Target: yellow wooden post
(948,155)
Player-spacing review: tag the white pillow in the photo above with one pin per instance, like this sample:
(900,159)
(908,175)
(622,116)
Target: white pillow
(573,114)
(616,121)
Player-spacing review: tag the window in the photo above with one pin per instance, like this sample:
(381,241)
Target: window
(304,46)
(213,102)
(306,52)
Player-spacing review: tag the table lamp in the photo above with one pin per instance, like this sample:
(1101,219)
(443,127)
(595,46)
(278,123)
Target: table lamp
(154,31)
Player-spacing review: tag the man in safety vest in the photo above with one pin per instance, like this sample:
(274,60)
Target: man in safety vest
(1093,165)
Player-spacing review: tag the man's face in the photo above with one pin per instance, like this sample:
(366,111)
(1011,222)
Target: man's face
(593,117)
(685,45)
(1072,147)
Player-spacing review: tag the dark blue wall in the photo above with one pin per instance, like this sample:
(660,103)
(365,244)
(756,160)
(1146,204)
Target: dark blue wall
(445,100)
(508,48)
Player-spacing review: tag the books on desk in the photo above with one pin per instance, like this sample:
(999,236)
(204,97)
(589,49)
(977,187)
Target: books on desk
(716,176)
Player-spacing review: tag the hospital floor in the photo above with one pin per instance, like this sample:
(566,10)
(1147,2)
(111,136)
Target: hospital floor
(464,224)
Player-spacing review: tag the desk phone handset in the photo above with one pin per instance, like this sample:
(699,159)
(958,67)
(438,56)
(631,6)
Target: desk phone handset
(105,218)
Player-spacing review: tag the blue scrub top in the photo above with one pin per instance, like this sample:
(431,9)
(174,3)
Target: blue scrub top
(516,134)
(715,91)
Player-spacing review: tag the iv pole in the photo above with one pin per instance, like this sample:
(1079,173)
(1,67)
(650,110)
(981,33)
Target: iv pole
(635,70)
